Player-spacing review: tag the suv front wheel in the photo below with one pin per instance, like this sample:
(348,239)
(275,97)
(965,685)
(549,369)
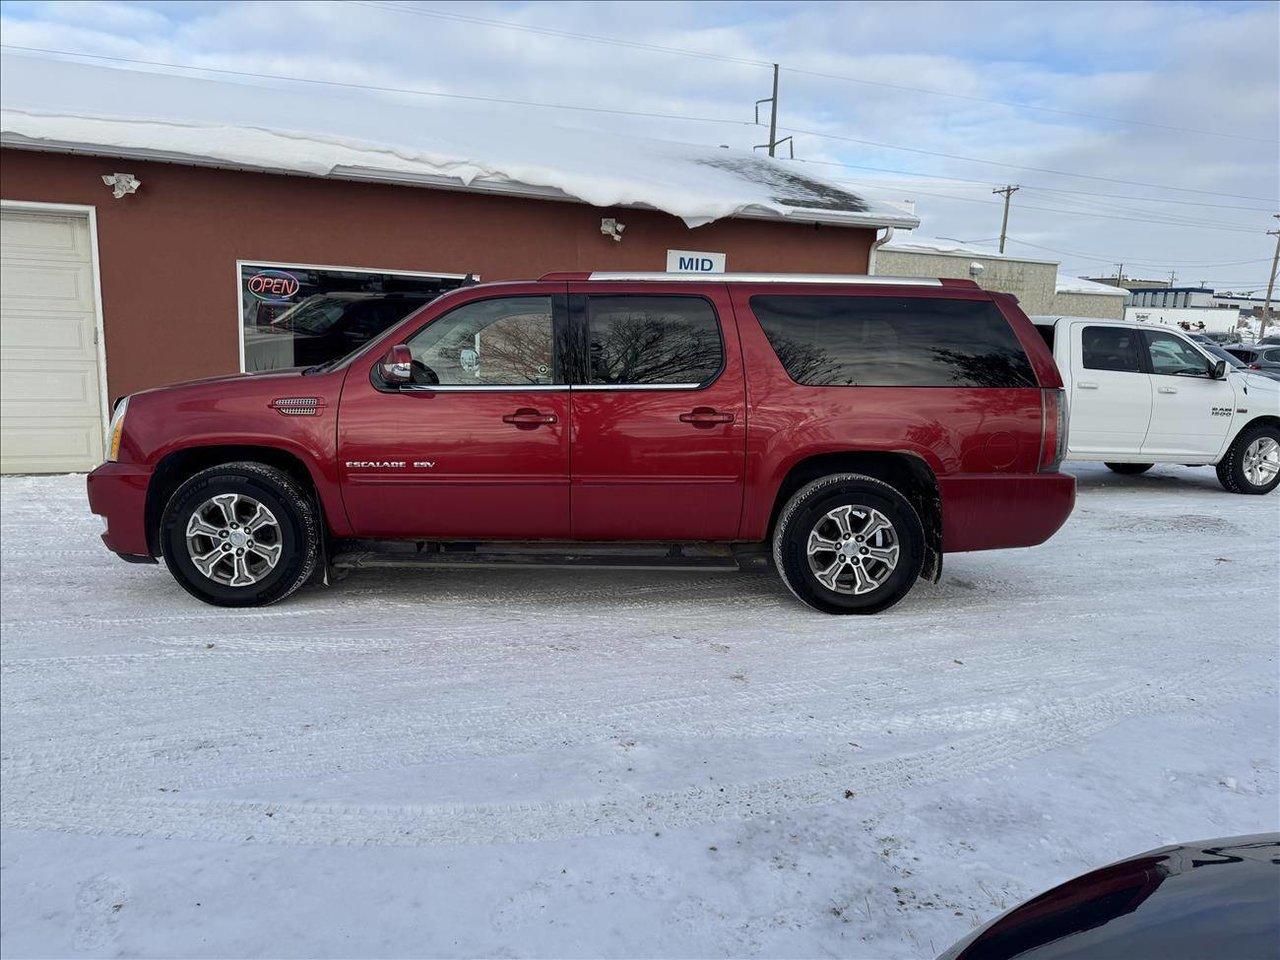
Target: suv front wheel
(240,535)
(848,543)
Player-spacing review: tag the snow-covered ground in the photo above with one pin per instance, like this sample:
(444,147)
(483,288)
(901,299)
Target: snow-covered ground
(552,763)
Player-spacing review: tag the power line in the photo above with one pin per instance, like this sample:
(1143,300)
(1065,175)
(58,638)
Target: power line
(580,108)
(565,34)
(1138,263)
(1032,186)
(1015,166)
(586,109)
(659,48)
(381,89)
(1083,213)
(1025,106)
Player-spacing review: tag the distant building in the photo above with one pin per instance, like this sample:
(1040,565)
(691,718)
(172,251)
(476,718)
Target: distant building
(1211,319)
(1250,306)
(1078,297)
(1130,283)
(1036,283)
(1167,296)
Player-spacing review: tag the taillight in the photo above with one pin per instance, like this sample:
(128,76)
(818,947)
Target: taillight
(1254,366)
(1053,438)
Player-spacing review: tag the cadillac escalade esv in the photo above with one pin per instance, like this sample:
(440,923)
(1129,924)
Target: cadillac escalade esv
(850,429)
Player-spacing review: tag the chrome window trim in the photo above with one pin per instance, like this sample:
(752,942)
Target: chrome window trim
(483,388)
(637,386)
(538,387)
(831,278)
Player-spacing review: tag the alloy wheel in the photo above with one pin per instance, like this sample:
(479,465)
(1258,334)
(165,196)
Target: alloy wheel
(1261,461)
(852,549)
(234,540)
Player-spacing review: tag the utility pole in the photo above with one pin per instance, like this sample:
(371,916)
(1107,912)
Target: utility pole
(1173,276)
(1008,190)
(1271,284)
(774,142)
(1119,274)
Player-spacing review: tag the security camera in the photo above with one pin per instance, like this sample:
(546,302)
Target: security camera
(612,228)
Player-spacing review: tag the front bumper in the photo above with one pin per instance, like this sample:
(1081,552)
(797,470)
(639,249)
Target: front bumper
(118,494)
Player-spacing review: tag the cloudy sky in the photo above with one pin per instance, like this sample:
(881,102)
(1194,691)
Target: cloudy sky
(1142,132)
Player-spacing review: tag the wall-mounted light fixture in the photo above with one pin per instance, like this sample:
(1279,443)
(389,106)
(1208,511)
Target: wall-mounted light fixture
(121,184)
(976,269)
(612,229)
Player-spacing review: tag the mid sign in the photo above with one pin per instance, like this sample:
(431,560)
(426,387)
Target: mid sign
(694,261)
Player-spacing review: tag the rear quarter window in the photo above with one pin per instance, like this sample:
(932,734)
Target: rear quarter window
(1111,348)
(852,341)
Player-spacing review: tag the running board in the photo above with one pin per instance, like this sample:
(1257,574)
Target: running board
(615,557)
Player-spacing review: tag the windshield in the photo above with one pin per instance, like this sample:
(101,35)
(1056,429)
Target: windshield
(1221,354)
(410,305)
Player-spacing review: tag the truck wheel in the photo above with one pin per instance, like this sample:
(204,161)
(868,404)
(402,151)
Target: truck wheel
(240,535)
(847,543)
(1252,462)
(1129,469)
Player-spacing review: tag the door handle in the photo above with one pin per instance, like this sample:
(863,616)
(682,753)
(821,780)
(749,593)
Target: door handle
(527,417)
(1086,385)
(705,417)
(1167,389)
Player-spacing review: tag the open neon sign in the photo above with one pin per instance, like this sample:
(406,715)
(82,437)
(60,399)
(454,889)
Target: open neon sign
(273,285)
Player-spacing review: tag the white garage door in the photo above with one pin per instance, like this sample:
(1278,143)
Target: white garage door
(50,395)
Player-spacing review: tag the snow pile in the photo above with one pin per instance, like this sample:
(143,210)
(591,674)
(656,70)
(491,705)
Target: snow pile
(1080,285)
(915,244)
(49,104)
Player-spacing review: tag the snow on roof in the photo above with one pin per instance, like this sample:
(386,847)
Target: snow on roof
(62,106)
(954,248)
(1080,285)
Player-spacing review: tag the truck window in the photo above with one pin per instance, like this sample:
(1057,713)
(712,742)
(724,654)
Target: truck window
(1173,357)
(653,340)
(1110,348)
(501,342)
(893,341)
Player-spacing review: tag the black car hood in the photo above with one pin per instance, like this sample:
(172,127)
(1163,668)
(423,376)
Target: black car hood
(1216,898)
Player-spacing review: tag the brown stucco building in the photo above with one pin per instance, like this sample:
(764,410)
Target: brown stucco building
(160,228)
(168,253)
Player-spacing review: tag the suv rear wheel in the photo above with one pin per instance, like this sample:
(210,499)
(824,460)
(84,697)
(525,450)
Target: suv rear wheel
(240,535)
(848,543)
(1252,462)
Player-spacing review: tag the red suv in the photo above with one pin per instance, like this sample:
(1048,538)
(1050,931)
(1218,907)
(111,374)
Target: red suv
(853,429)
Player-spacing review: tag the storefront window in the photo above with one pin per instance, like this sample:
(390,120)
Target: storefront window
(299,316)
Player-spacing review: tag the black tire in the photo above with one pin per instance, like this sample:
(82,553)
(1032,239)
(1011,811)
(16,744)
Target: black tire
(805,511)
(1129,469)
(297,533)
(1231,468)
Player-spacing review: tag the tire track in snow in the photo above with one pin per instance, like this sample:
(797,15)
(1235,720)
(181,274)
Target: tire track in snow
(245,821)
(833,709)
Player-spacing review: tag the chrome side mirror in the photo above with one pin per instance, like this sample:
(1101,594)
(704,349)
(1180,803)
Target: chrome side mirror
(397,366)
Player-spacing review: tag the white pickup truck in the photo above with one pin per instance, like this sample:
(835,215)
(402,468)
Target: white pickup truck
(1139,394)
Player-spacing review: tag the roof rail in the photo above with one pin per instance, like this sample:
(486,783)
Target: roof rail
(827,278)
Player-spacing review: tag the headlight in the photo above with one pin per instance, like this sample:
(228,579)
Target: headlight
(116,431)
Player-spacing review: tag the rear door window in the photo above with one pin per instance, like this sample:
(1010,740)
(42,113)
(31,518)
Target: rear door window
(893,341)
(1111,348)
(652,341)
